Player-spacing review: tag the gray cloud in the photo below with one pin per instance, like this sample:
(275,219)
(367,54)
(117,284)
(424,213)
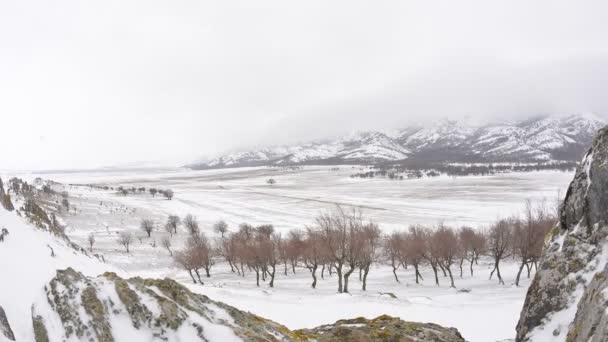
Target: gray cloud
(86,84)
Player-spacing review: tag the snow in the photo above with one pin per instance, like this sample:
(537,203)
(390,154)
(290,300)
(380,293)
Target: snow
(242,195)
(27,266)
(534,139)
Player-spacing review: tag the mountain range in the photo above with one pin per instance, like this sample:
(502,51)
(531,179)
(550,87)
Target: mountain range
(543,139)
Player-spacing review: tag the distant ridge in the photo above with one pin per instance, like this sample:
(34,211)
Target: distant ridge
(542,139)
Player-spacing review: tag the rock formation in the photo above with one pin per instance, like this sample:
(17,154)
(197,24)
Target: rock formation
(5,327)
(567,299)
(108,308)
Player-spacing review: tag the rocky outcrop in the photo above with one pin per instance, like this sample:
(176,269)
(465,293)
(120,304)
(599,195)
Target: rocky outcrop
(383,328)
(567,298)
(107,307)
(5,328)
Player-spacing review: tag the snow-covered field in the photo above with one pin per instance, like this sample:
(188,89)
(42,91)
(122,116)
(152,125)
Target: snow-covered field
(488,312)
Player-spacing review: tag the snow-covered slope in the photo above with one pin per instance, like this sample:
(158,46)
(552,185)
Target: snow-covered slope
(26,266)
(539,139)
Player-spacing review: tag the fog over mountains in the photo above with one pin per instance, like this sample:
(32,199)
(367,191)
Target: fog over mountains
(542,139)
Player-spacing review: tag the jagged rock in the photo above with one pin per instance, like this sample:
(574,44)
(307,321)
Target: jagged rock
(591,322)
(383,328)
(565,300)
(5,328)
(88,309)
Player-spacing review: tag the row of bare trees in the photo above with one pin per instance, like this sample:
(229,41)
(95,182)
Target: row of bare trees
(343,242)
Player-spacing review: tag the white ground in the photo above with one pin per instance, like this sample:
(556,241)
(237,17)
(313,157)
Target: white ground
(488,313)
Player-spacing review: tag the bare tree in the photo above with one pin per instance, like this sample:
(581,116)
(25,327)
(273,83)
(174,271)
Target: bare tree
(312,253)
(186,260)
(229,251)
(201,246)
(471,244)
(446,243)
(433,255)
(153,192)
(172,222)
(221,227)
(147,226)
(271,181)
(168,194)
(66,204)
(91,240)
(191,224)
(334,229)
(166,242)
(370,236)
(269,248)
(415,249)
(125,239)
(528,235)
(499,240)
(294,246)
(393,246)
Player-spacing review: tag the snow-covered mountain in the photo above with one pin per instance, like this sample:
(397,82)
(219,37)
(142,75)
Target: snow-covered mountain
(541,139)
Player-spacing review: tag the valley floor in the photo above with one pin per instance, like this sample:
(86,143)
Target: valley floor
(487,313)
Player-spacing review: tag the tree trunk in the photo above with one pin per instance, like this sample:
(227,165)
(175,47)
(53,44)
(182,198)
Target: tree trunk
(199,277)
(231,267)
(339,271)
(521,268)
(360,270)
(434,267)
(346,276)
(322,271)
(285,267)
(192,276)
(314,276)
(365,273)
(395,274)
(529,268)
(257,277)
(272,275)
(443,270)
(472,266)
(461,262)
(451,277)
(207,271)
(418,275)
(293,266)
(500,281)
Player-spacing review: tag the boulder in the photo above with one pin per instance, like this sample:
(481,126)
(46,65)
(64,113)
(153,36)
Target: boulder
(566,300)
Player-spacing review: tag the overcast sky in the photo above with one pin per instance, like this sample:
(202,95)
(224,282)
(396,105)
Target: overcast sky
(90,83)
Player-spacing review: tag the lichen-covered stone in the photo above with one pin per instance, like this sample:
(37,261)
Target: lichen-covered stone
(591,322)
(40,333)
(383,328)
(5,327)
(574,257)
(157,308)
(94,308)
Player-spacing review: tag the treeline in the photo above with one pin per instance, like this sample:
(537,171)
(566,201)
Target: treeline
(453,170)
(125,190)
(344,242)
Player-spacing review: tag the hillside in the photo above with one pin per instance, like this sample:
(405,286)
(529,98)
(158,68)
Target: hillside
(53,290)
(544,139)
(41,302)
(568,297)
